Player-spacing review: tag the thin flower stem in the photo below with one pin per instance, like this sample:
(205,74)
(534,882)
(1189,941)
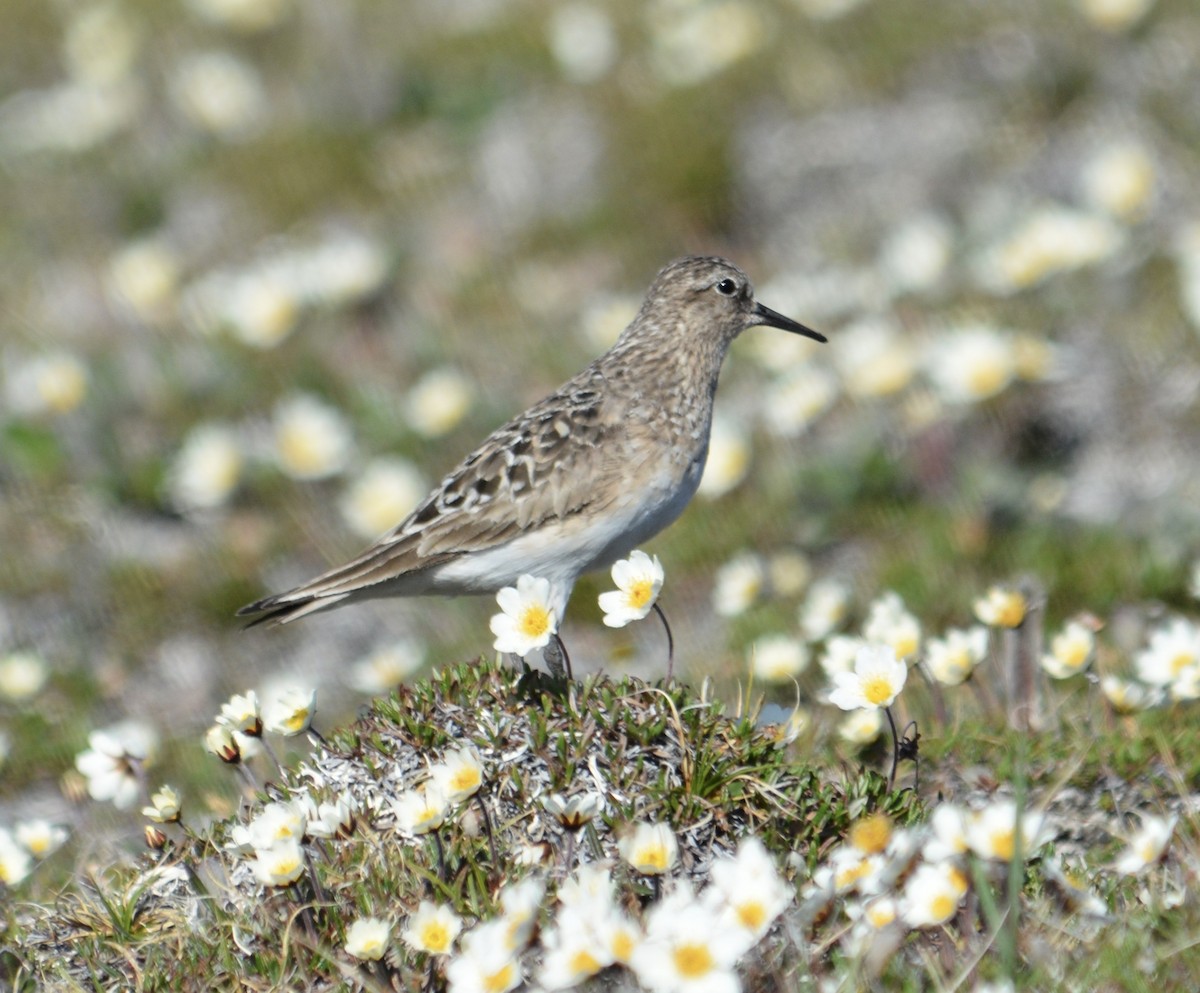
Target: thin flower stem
(318,890)
(670,641)
(895,748)
(247,775)
(487,824)
(271,755)
(569,854)
(441,856)
(316,737)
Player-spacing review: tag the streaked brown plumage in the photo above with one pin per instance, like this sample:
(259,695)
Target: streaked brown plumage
(581,477)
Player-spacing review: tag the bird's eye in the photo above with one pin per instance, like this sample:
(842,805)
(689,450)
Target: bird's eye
(727,287)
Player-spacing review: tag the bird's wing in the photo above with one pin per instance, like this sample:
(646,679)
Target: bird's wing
(539,467)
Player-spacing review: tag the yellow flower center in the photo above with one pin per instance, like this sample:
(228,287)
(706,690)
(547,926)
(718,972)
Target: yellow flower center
(881,915)
(1010,609)
(640,593)
(651,859)
(942,906)
(500,980)
(1003,843)
(584,964)
(877,690)
(871,834)
(752,915)
(465,778)
(622,946)
(435,937)
(958,880)
(693,961)
(986,380)
(535,621)
(1182,661)
(851,874)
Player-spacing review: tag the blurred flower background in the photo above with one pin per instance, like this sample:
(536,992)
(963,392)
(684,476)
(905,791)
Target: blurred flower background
(271,267)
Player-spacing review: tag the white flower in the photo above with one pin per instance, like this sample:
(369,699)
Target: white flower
(438,401)
(277,822)
(40,837)
(1001,607)
(383,495)
(840,652)
(861,727)
(241,713)
(739,583)
(144,277)
(949,838)
(420,811)
(54,383)
(650,848)
(890,623)
(1115,15)
(573,950)
(387,666)
(824,609)
(992,832)
(334,819)
(971,364)
(1147,846)
(243,15)
(223,742)
(728,458)
(752,892)
(343,267)
(790,572)
(432,929)
(583,41)
(519,906)
(15,861)
(312,439)
(1120,179)
(778,657)
(22,676)
(574,813)
(527,620)
(797,399)
(218,92)
(112,761)
(915,255)
(165,806)
(257,306)
(953,657)
(367,938)
(687,948)
(639,580)
(1127,696)
(291,712)
(486,963)
(1049,240)
(101,43)
(207,469)
(1174,649)
(932,895)
(281,864)
(693,43)
(459,775)
(876,681)
(874,358)
(1070,651)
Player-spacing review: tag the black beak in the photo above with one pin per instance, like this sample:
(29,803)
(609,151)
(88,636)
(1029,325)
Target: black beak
(765,315)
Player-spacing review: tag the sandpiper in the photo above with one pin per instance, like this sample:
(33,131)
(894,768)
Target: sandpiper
(581,477)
